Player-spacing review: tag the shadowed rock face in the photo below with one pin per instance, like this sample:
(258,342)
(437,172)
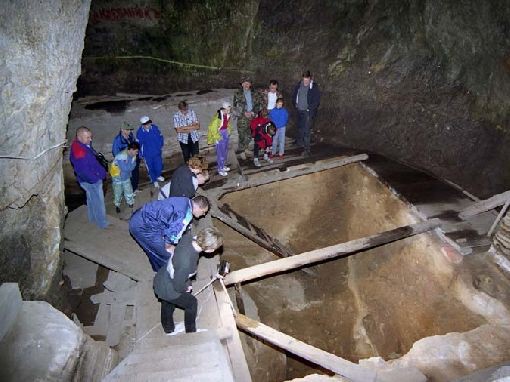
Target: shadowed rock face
(43,44)
(424,82)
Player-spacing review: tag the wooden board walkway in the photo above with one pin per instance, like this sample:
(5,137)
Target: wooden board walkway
(113,247)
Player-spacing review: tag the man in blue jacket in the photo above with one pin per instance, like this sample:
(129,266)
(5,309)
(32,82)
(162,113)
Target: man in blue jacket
(90,175)
(120,143)
(151,143)
(306,99)
(158,226)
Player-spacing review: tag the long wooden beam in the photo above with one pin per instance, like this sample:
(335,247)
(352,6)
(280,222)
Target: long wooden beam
(485,205)
(317,356)
(307,258)
(276,175)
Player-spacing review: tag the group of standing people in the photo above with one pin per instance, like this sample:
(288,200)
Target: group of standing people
(261,116)
(162,228)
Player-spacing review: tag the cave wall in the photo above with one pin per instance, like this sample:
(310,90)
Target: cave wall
(42,44)
(423,82)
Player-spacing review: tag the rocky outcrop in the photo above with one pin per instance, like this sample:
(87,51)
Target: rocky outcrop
(424,82)
(42,42)
(39,343)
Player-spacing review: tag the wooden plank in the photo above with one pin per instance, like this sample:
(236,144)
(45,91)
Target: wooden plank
(485,205)
(276,175)
(317,356)
(233,343)
(112,247)
(252,232)
(321,254)
(116,326)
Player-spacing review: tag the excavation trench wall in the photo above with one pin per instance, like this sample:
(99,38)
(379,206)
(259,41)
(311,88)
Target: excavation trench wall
(375,303)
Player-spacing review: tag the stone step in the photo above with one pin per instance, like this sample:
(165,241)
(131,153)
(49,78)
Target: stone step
(186,355)
(164,342)
(197,376)
(96,361)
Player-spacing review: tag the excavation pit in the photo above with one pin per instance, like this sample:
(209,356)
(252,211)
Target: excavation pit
(373,303)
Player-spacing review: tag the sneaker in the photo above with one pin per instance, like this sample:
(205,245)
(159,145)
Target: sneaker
(117,209)
(156,184)
(226,168)
(269,160)
(201,330)
(256,162)
(223,173)
(266,157)
(160,179)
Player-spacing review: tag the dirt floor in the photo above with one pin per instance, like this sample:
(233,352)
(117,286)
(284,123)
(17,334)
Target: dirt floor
(375,303)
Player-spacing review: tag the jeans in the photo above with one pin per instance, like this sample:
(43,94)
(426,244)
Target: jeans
(305,122)
(154,167)
(189,149)
(185,301)
(95,203)
(121,187)
(222,149)
(279,141)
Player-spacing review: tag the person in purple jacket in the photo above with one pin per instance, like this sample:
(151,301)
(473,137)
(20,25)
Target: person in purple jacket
(90,175)
(151,143)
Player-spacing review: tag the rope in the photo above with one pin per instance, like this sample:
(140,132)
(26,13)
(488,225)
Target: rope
(179,63)
(36,157)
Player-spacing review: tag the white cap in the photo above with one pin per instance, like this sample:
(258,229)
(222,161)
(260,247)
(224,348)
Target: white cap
(144,119)
(226,105)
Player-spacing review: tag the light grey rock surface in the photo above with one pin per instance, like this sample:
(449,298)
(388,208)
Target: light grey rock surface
(42,44)
(10,305)
(43,345)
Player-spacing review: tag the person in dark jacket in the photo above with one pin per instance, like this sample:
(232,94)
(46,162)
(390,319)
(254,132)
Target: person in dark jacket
(306,99)
(159,225)
(172,283)
(184,178)
(90,175)
(120,143)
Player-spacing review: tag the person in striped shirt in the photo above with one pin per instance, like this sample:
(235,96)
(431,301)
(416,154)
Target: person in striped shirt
(188,130)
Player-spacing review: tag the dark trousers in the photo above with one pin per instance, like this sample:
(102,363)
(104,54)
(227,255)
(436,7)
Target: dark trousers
(305,122)
(135,174)
(185,301)
(189,149)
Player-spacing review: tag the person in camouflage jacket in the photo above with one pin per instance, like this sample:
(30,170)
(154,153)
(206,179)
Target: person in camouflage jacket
(247,103)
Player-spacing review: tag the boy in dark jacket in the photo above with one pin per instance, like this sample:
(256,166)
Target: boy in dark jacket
(121,142)
(279,116)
